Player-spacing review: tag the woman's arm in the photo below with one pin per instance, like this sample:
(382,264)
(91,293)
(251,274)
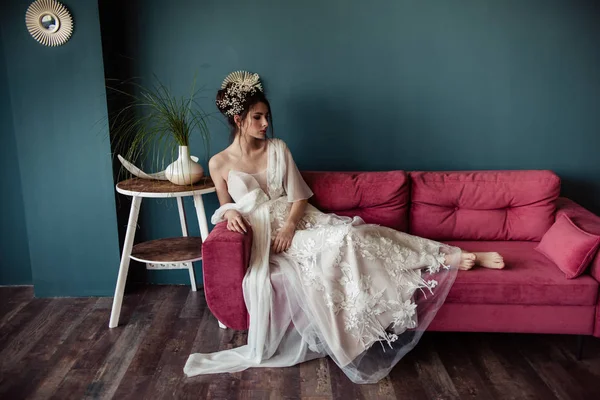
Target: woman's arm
(296,213)
(284,237)
(298,193)
(235,222)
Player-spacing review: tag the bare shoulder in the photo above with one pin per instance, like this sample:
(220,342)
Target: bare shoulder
(219,164)
(216,162)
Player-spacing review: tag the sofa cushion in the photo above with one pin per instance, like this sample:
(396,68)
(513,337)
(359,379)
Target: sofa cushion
(587,221)
(528,278)
(568,246)
(483,205)
(377,197)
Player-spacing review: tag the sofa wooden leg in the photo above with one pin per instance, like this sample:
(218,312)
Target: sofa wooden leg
(579,353)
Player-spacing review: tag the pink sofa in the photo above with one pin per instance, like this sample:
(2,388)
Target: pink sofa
(504,211)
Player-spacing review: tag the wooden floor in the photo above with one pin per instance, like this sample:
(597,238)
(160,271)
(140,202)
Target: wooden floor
(62,349)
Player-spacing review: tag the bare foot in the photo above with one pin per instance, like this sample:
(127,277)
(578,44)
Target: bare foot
(489,260)
(467,261)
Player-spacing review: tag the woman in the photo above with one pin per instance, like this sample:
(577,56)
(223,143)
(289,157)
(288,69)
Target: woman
(318,284)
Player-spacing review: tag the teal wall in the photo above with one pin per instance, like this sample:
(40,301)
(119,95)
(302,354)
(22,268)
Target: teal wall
(15,268)
(58,108)
(431,84)
(379,85)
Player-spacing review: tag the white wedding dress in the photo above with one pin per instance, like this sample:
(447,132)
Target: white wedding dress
(360,293)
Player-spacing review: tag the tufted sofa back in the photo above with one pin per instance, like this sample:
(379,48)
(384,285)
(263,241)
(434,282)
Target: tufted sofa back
(483,205)
(377,197)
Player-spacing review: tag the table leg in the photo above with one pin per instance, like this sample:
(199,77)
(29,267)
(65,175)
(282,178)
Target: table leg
(199,204)
(124,266)
(182,216)
(184,231)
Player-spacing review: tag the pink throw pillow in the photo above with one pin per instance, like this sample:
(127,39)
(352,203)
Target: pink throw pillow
(568,246)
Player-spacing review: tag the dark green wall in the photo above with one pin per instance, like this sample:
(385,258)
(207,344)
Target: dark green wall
(59,113)
(379,85)
(15,268)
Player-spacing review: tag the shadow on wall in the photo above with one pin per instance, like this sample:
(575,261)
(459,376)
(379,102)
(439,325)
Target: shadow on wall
(118,26)
(584,191)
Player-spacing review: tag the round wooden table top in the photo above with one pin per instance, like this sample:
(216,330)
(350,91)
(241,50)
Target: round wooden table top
(154,188)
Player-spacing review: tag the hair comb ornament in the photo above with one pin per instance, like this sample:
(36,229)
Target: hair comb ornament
(239,84)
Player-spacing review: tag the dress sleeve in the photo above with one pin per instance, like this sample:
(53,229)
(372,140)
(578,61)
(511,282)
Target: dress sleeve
(295,186)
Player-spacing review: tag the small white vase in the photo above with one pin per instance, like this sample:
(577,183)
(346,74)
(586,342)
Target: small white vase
(184,171)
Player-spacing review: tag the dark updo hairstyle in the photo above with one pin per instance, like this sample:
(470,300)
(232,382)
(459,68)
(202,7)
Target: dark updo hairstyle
(249,101)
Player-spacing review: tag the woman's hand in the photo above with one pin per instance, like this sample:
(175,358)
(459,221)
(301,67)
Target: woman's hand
(235,221)
(283,240)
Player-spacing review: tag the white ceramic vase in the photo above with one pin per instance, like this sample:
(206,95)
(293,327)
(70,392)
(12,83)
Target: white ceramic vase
(184,171)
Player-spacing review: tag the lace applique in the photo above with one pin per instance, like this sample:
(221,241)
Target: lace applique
(404,315)
(276,167)
(399,258)
(275,191)
(305,252)
(278,211)
(353,294)
(361,304)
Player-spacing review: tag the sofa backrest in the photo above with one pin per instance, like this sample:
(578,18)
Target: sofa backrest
(483,205)
(377,197)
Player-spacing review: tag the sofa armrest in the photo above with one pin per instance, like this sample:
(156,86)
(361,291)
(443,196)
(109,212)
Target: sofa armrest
(584,219)
(225,258)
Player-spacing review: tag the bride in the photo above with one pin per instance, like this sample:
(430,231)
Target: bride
(318,284)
